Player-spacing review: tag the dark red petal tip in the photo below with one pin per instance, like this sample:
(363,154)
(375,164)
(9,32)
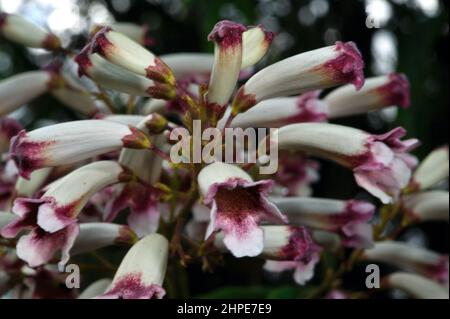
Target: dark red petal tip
(348,66)
(301,246)
(227,33)
(396,91)
(26,155)
(83,60)
(100,42)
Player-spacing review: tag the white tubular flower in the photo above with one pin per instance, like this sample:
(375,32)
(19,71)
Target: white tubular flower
(19,89)
(9,127)
(427,206)
(52,218)
(377,92)
(140,196)
(255,44)
(17,29)
(28,187)
(416,286)
(117,78)
(284,110)
(236,47)
(142,270)
(130,55)
(98,287)
(187,64)
(75,96)
(94,236)
(380,163)
(132,120)
(227,37)
(415,259)
(312,70)
(350,219)
(238,205)
(432,170)
(136,32)
(70,142)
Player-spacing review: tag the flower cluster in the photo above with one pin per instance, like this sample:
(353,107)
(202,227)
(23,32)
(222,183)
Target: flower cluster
(66,187)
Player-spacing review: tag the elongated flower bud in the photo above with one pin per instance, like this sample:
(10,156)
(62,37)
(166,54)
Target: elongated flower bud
(380,163)
(142,270)
(136,32)
(140,196)
(75,97)
(126,119)
(19,30)
(282,111)
(115,77)
(98,287)
(312,70)
(427,206)
(52,218)
(432,170)
(188,64)
(255,44)
(415,259)
(130,55)
(64,198)
(377,92)
(227,37)
(28,187)
(19,89)
(416,286)
(350,219)
(71,142)
(9,127)
(94,236)
(238,205)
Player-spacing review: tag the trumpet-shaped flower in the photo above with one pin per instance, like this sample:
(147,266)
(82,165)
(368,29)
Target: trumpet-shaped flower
(312,70)
(377,92)
(20,89)
(238,205)
(52,218)
(416,286)
(236,47)
(136,32)
(118,78)
(432,170)
(17,29)
(380,163)
(130,55)
(350,219)
(142,270)
(140,196)
(71,142)
(427,206)
(284,110)
(415,259)
(94,236)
